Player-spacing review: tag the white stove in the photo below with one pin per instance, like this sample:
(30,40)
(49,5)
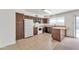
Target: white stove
(40,30)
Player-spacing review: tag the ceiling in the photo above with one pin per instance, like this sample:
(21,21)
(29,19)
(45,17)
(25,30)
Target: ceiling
(37,11)
(58,11)
(53,11)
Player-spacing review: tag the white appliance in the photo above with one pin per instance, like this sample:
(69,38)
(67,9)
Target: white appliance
(40,30)
(28,25)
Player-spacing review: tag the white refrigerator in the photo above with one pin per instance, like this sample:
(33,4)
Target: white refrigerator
(28,25)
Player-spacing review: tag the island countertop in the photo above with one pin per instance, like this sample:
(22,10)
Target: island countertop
(59,27)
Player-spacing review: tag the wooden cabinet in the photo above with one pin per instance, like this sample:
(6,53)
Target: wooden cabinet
(58,34)
(35,31)
(19,26)
(45,20)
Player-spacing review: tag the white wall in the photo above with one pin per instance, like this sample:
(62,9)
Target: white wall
(7,28)
(69,21)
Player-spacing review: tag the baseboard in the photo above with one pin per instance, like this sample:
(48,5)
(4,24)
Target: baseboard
(71,36)
(4,44)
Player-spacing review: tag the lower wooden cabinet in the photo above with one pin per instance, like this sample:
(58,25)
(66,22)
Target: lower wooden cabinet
(58,34)
(35,31)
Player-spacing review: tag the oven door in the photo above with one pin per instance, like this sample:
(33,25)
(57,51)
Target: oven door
(40,30)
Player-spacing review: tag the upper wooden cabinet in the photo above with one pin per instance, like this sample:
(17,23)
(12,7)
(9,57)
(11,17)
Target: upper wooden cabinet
(36,19)
(45,20)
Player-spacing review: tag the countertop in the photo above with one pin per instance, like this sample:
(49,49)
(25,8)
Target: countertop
(59,27)
(53,26)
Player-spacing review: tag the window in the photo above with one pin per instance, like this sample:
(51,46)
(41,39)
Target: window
(77,26)
(56,21)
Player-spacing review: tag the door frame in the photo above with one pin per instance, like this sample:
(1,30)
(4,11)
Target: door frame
(75,26)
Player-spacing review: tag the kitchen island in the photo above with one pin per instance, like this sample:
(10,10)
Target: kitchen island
(59,32)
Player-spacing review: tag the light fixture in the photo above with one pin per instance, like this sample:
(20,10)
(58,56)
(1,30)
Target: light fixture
(47,11)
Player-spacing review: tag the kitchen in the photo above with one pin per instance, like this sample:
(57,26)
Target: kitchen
(37,28)
(36,25)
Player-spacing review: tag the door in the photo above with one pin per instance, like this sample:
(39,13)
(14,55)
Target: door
(28,25)
(19,26)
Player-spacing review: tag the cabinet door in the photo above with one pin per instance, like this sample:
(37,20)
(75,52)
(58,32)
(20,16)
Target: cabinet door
(35,31)
(45,20)
(19,26)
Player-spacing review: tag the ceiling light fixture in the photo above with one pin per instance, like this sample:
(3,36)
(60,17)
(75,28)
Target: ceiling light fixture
(47,11)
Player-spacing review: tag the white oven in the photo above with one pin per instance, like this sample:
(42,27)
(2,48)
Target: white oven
(40,29)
